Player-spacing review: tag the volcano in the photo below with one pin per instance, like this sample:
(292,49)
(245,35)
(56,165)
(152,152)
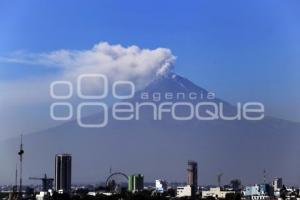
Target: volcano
(160,149)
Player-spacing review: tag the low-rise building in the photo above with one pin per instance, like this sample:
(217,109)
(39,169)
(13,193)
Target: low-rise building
(184,191)
(251,190)
(216,192)
(260,197)
(161,186)
(259,192)
(44,195)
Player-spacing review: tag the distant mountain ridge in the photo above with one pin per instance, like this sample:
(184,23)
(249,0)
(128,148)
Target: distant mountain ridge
(161,148)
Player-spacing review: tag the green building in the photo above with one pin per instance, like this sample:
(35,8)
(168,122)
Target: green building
(135,183)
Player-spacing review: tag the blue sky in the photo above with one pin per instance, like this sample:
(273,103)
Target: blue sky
(242,50)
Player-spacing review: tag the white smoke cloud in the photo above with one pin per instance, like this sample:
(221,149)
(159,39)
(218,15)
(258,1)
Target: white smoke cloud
(24,103)
(116,61)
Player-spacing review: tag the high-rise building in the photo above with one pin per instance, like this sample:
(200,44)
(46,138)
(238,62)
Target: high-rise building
(277,183)
(192,176)
(135,183)
(63,172)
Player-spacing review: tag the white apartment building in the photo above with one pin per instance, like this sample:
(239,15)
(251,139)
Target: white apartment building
(184,191)
(216,192)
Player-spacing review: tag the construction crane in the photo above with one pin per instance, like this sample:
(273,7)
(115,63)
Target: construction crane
(47,183)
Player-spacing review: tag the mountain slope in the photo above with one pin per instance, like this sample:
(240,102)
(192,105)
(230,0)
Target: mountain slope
(161,148)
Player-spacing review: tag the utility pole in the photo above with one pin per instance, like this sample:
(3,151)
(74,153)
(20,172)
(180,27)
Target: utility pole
(110,170)
(265,176)
(219,178)
(16,180)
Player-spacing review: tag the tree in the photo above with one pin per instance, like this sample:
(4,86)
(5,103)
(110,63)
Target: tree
(236,184)
(233,196)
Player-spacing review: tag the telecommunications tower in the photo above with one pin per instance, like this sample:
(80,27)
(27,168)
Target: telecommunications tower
(20,153)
